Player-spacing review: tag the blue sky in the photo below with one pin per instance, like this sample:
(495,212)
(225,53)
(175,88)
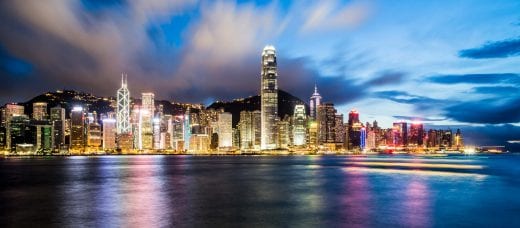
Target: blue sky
(446,62)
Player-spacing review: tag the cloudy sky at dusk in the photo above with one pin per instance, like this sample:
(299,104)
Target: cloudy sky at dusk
(447,62)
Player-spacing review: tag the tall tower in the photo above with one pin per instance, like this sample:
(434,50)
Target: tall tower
(315,102)
(269,97)
(123,107)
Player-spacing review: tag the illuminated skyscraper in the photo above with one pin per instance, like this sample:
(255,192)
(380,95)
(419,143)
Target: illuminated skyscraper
(146,115)
(225,130)
(109,134)
(39,111)
(400,133)
(416,134)
(362,138)
(77,129)
(326,120)
(269,98)
(354,130)
(123,108)
(249,128)
(299,126)
(58,125)
(314,103)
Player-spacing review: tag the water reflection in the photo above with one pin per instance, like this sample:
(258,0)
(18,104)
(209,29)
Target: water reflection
(417,204)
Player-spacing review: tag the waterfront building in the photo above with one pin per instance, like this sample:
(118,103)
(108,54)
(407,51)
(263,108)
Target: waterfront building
(416,135)
(158,144)
(39,110)
(400,134)
(249,129)
(77,129)
(284,134)
(269,98)
(326,121)
(339,131)
(123,108)
(459,140)
(18,129)
(314,103)
(225,130)
(362,138)
(109,134)
(57,119)
(146,114)
(299,129)
(354,130)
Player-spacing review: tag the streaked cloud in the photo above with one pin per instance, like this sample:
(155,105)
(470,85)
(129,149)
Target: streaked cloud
(496,49)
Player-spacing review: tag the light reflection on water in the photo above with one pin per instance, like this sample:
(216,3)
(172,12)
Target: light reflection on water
(159,191)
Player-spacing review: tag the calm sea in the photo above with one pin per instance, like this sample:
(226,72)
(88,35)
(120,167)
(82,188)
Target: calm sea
(261,191)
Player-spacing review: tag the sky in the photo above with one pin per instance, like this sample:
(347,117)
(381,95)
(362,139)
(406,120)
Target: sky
(446,63)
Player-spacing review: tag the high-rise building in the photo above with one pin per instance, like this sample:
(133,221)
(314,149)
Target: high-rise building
(269,98)
(10,111)
(299,129)
(416,134)
(284,134)
(339,129)
(94,137)
(58,127)
(146,115)
(249,130)
(362,138)
(459,140)
(39,110)
(77,129)
(123,108)
(326,123)
(158,144)
(400,132)
(314,103)
(354,130)
(225,130)
(187,129)
(17,127)
(109,134)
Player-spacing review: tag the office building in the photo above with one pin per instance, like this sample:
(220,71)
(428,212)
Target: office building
(39,111)
(269,98)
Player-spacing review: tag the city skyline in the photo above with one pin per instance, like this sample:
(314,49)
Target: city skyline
(447,67)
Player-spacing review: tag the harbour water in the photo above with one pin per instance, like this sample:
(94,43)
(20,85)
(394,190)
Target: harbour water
(261,191)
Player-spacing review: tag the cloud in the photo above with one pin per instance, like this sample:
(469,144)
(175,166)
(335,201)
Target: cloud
(487,111)
(416,118)
(497,49)
(387,78)
(511,78)
(326,15)
(497,90)
(419,102)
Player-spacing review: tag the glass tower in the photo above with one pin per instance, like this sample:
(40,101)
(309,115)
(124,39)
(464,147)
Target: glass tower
(269,98)
(123,108)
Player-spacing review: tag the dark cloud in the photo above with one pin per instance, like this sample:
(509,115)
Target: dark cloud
(497,90)
(416,118)
(512,78)
(419,102)
(487,111)
(497,49)
(387,78)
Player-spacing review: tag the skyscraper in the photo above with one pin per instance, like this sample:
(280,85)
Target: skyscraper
(354,130)
(77,129)
(416,134)
(269,98)
(225,130)
(123,108)
(39,110)
(109,134)
(299,126)
(314,103)
(146,115)
(400,131)
(58,127)
(326,120)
